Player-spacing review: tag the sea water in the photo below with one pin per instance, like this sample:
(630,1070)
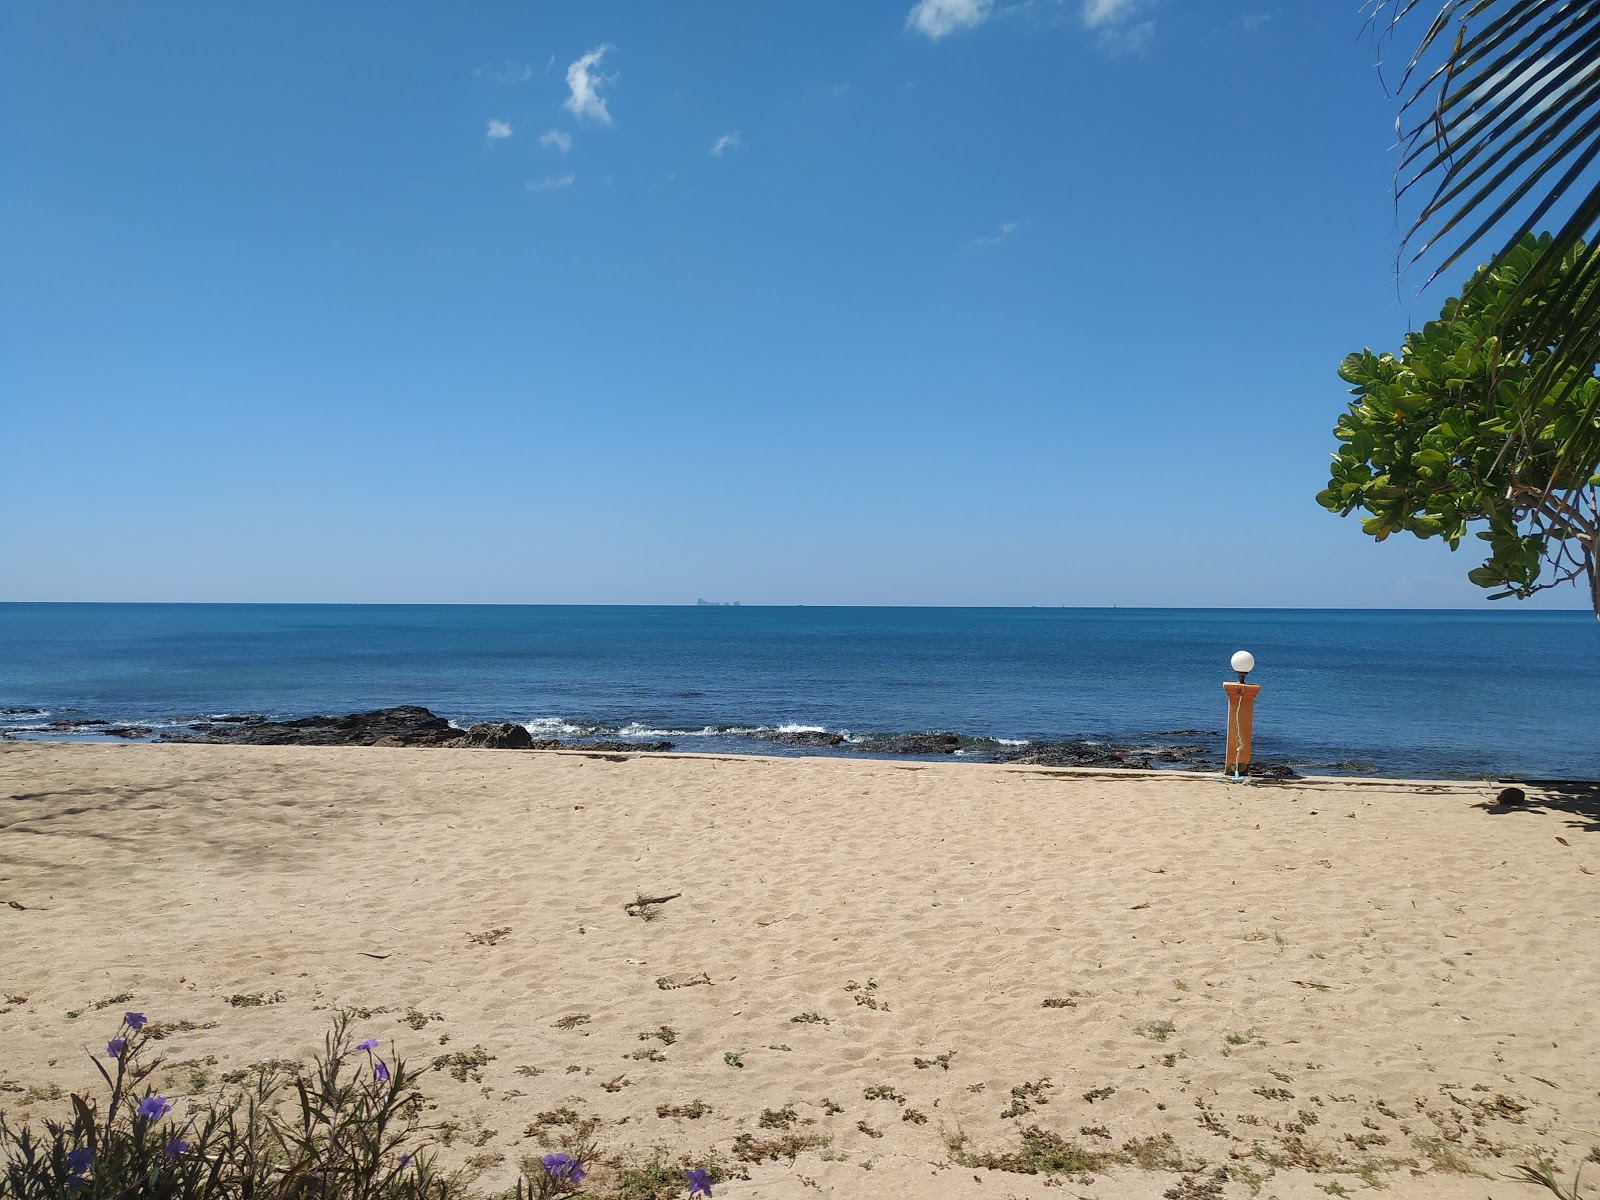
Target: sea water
(1411,693)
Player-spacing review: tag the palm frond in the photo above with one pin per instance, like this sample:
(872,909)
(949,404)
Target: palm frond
(1499,127)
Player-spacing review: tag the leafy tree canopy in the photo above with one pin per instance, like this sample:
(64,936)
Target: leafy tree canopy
(1427,446)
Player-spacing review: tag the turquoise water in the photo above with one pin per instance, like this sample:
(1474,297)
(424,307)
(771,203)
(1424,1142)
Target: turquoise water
(1397,692)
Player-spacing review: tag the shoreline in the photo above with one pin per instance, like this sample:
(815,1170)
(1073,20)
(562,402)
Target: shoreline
(1197,750)
(1304,982)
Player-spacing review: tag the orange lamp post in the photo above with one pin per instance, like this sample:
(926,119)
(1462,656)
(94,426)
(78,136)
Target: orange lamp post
(1241,714)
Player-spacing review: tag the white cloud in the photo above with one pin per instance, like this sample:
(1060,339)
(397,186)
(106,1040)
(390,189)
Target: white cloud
(1006,230)
(585,84)
(1114,21)
(498,130)
(507,72)
(559,139)
(937,18)
(1097,14)
(1131,39)
(728,141)
(550,182)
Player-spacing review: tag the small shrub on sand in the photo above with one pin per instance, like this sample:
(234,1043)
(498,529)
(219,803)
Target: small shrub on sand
(351,1133)
(748,1148)
(1042,1152)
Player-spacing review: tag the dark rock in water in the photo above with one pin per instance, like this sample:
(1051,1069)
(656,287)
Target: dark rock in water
(502,735)
(128,731)
(1270,770)
(238,719)
(910,743)
(1187,733)
(616,747)
(72,726)
(799,737)
(1078,754)
(406,725)
(1511,795)
(21,712)
(1181,754)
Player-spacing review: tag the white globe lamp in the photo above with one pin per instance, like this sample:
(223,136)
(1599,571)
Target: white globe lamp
(1243,662)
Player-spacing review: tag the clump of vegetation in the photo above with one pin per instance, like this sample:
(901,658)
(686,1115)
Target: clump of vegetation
(689,1112)
(1042,1152)
(465,1064)
(489,937)
(866,995)
(914,1116)
(352,1133)
(256,999)
(1025,1095)
(1156,1031)
(666,1035)
(734,1058)
(748,1148)
(778,1118)
(943,1060)
(882,1091)
(419,1020)
(809,1018)
(571,1021)
(868,1130)
(661,1178)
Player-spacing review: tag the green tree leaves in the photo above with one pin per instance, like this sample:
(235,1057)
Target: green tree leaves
(1424,447)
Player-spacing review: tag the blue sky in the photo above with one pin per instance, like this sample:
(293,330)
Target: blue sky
(965,303)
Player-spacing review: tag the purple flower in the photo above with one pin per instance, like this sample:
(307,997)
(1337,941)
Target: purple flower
(369,1044)
(563,1168)
(699,1182)
(78,1160)
(115,1047)
(406,1160)
(175,1147)
(380,1072)
(153,1108)
(135,1020)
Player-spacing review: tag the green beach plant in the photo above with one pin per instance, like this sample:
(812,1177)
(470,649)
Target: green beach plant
(1422,445)
(348,1131)
(1500,129)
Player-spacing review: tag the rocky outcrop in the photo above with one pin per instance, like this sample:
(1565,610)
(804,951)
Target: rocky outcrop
(1078,754)
(910,743)
(405,725)
(501,735)
(797,737)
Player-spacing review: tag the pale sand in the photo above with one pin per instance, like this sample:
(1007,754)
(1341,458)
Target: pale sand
(1413,979)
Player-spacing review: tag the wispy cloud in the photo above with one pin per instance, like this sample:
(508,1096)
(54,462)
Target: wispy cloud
(939,18)
(550,183)
(728,141)
(1128,39)
(507,72)
(498,130)
(556,139)
(1114,21)
(994,239)
(1254,21)
(585,83)
(1097,14)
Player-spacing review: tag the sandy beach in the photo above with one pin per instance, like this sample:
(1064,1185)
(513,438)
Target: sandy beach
(1277,990)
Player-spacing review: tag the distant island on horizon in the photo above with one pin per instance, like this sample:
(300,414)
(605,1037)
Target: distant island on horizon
(702,602)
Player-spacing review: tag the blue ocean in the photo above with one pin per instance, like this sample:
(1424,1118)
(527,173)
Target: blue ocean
(1409,693)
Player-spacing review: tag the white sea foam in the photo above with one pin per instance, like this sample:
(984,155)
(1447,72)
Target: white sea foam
(548,726)
(1014,741)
